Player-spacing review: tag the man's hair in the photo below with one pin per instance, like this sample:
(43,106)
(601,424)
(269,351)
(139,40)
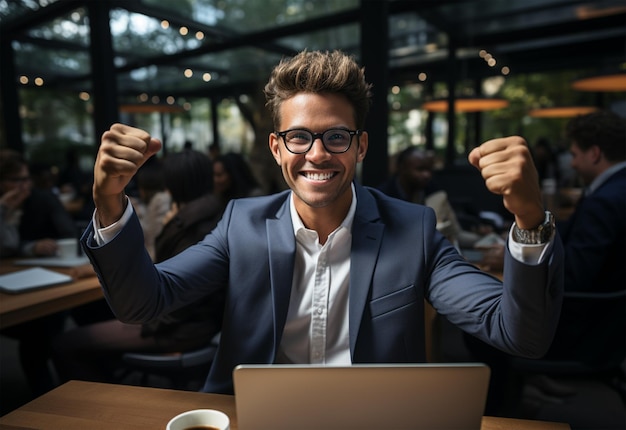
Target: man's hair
(188,175)
(604,128)
(407,152)
(319,72)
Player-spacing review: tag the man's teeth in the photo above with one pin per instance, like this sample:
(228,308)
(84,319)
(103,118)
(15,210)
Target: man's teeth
(319,176)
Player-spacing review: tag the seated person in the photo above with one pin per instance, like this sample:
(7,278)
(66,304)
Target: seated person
(233,177)
(31,219)
(412,181)
(153,202)
(35,216)
(93,352)
(594,238)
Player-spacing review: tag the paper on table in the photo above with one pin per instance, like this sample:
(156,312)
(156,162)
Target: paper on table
(29,279)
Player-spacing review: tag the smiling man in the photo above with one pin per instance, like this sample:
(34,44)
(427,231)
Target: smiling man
(329,272)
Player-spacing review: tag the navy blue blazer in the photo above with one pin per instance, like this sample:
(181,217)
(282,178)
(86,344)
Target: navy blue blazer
(397,259)
(594,240)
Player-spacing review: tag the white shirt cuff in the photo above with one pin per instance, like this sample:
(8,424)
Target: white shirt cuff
(529,254)
(104,235)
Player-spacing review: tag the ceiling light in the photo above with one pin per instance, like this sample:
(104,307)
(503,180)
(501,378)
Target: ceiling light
(561,111)
(615,82)
(474,104)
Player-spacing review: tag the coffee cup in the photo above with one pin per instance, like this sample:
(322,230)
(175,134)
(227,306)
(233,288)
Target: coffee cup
(67,248)
(200,419)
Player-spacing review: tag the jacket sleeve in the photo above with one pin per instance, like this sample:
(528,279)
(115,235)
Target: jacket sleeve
(518,316)
(137,290)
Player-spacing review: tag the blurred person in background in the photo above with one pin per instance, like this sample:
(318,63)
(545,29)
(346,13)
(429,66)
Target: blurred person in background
(412,181)
(233,177)
(31,220)
(153,202)
(544,156)
(75,186)
(93,352)
(594,238)
(36,213)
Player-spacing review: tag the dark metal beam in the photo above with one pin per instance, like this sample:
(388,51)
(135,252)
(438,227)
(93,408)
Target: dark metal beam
(374,58)
(104,88)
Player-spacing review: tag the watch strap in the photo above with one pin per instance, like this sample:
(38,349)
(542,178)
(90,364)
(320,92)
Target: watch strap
(536,236)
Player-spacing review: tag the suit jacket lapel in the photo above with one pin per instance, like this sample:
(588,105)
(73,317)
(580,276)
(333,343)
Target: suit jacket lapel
(281,246)
(366,239)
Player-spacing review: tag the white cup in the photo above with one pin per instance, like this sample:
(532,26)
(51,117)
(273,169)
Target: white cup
(67,248)
(200,419)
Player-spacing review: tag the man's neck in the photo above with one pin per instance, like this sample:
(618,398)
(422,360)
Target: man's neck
(324,220)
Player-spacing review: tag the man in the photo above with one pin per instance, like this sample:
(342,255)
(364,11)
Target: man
(594,239)
(329,271)
(412,181)
(33,218)
(31,221)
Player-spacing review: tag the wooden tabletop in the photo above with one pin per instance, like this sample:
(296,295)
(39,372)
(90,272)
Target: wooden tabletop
(22,307)
(79,405)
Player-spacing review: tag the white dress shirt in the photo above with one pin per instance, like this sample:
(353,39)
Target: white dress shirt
(317,329)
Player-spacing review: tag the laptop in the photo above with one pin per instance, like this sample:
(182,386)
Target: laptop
(31,279)
(386,397)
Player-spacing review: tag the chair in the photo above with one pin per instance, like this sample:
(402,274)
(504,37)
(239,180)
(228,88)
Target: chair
(556,388)
(614,352)
(183,370)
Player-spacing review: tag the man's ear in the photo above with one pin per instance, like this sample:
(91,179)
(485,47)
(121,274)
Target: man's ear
(596,154)
(362,148)
(274,144)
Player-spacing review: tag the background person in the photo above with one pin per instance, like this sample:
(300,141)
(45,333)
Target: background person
(31,220)
(153,202)
(37,214)
(594,239)
(233,177)
(93,352)
(412,181)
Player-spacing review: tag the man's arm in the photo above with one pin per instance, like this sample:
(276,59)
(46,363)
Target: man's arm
(123,150)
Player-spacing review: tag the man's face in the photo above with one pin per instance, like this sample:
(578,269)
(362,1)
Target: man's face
(584,162)
(417,170)
(221,178)
(318,178)
(20,182)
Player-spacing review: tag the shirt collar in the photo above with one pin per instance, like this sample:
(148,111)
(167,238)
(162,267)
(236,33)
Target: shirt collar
(602,177)
(298,225)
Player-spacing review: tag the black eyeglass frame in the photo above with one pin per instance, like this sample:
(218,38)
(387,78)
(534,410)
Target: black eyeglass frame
(315,136)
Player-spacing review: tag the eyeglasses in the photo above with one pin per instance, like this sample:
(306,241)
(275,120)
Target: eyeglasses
(335,140)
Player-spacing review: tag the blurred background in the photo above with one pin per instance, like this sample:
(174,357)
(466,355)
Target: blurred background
(193,70)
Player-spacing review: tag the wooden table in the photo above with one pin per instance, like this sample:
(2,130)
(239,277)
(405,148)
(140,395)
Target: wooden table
(22,307)
(79,405)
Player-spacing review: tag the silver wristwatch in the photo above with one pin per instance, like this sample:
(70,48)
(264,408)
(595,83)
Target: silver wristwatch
(536,236)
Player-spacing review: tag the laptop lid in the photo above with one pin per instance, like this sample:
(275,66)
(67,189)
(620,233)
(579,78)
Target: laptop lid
(31,279)
(389,397)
